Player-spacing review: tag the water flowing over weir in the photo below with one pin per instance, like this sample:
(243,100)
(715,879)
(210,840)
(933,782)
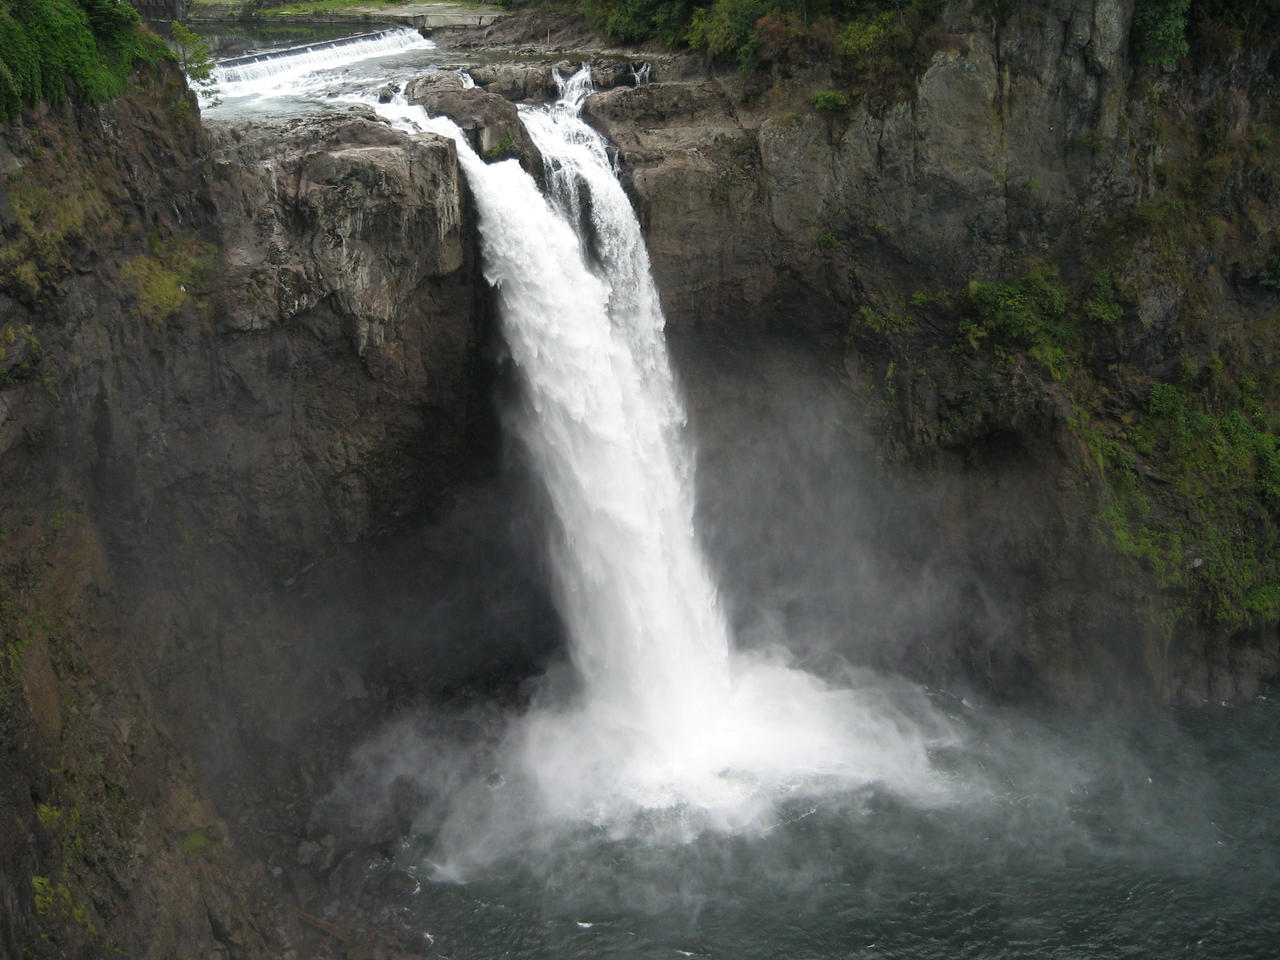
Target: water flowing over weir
(269,73)
(668,716)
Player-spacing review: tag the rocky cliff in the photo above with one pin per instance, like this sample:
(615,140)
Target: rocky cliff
(1029,286)
(222,362)
(1016,248)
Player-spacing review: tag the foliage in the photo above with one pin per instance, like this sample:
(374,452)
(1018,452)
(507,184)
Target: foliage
(881,324)
(727,28)
(1249,15)
(1205,522)
(49,48)
(829,101)
(1030,313)
(862,36)
(1159,35)
(756,32)
(1160,31)
(196,62)
(1101,306)
(1269,276)
(635,20)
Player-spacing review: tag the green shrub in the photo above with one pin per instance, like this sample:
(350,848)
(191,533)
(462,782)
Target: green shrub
(1269,276)
(727,28)
(1028,314)
(49,48)
(1166,402)
(635,20)
(1159,35)
(829,101)
(196,62)
(860,37)
(1101,305)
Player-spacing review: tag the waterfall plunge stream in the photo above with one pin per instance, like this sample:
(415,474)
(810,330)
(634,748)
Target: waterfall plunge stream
(667,717)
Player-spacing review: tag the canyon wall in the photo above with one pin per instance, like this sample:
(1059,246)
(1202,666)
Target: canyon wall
(1017,254)
(223,362)
(246,425)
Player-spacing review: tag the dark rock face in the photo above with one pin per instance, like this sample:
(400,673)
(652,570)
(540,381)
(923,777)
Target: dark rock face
(1022,145)
(229,359)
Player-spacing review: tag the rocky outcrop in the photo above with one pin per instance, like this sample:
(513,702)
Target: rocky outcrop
(1029,145)
(927,191)
(490,122)
(225,359)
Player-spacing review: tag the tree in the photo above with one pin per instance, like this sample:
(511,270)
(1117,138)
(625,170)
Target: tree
(196,62)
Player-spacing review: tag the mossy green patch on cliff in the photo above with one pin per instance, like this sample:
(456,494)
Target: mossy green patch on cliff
(20,353)
(50,49)
(1192,494)
(1030,313)
(170,274)
(85,815)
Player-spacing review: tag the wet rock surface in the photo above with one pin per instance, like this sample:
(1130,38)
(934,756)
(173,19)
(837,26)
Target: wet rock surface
(261,347)
(491,122)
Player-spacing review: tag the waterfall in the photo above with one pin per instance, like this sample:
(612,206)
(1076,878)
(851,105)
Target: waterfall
(667,715)
(270,73)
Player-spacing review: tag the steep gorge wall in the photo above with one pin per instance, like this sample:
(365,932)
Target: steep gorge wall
(224,361)
(1010,258)
(228,360)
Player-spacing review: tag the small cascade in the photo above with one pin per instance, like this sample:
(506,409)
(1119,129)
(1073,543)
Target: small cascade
(265,74)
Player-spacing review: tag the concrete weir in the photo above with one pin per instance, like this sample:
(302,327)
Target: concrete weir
(423,16)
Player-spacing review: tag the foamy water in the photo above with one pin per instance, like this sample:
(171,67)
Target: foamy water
(665,716)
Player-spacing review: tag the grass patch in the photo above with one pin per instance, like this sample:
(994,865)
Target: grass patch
(86,49)
(170,275)
(1029,314)
(196,843)
(1193,496)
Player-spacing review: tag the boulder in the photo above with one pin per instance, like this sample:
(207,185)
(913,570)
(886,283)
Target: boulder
(491,123)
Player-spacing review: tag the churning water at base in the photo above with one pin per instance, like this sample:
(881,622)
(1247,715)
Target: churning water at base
(667,730)
(1149,835)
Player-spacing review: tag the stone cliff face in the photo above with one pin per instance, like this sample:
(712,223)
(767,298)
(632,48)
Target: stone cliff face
(924,191)
(1036,289)
(907,231)
(224,359)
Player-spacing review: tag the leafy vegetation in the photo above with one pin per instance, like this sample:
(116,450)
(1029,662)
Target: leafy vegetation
(1193,496)
(829,101)
(1160,31)
(1030,313)
(196,62)
(867,33)
(1160,27)
(50,49)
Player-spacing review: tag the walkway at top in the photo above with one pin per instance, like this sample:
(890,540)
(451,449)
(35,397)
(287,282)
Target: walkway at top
(423,15)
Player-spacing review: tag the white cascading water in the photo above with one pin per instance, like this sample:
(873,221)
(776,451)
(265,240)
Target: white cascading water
(668,715)
(287,70)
